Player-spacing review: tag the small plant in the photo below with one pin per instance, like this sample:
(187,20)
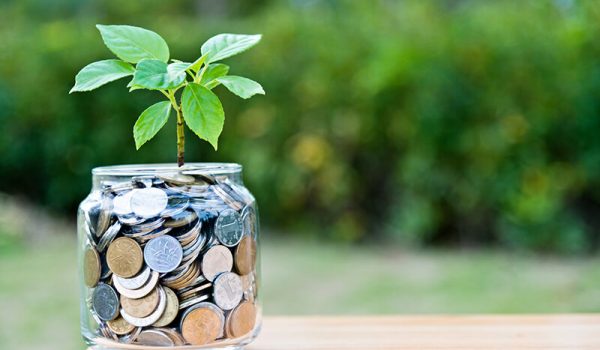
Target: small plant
(198,106)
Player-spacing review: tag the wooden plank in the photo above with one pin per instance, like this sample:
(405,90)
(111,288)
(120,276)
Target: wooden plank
(548,332)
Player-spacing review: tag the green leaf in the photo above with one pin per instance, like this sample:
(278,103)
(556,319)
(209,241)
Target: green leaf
(198,63)
(177,68)
(214,71)
(99,73)
(203,112)
(150,122)
(156,75)
(223,46)
(243,87)
(133,44)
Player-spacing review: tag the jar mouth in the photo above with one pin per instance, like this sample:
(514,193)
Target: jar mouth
(168,168)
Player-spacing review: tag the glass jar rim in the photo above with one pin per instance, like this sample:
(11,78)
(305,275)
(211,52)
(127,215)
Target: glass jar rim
(167,168)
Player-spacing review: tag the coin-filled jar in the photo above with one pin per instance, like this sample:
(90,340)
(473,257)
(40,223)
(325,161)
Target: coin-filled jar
(168,258)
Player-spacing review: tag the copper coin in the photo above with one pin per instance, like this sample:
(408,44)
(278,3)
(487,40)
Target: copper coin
(120,326)
(241,320)
(201,326)
(141,307)
(245,255)
(91,267)
(171,309)
(124,257)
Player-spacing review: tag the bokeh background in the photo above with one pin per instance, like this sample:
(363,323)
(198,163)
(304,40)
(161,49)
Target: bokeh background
(409,156)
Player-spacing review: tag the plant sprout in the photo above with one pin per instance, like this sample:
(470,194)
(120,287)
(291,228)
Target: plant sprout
(198,107)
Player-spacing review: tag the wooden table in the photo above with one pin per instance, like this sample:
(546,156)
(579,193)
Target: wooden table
(548,332)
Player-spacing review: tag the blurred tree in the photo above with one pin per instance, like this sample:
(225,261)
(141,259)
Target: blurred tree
(462,122)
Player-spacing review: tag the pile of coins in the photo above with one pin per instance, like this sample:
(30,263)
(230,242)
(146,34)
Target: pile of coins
(170,259)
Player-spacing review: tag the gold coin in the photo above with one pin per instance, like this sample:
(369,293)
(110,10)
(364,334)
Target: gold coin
(241,320)
(141,307)
(120,326)
(91,267)
(245,255)
(201,326)
(171,311)
(124,257)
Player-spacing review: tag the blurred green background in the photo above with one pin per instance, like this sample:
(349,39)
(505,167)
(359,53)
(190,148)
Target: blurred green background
(411,156)
(426,122)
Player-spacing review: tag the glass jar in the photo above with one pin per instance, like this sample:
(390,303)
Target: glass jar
(168,258)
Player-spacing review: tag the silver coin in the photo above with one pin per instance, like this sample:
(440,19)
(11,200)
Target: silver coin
(154,316)
(137,281)
(104,215)
(228,228)
(163,254)
(131,337)
(250,222)
(109,236)
(176,205)
(147,226)
(154,337)
(143,181)
(227,290)
(105,302)
(193,301)
(122,204)
(148,202)
(130,219)
(181,219)
(216,260)
(140,292)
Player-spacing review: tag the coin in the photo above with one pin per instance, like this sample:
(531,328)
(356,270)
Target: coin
(154,337)
(136,281)
(104,215)
(171,309)
(153,317)
(91,267)
(148,202)
(163,254)
(227,290)
(202,326)
(181,219)
(105,302)
(141,307)
(124,257)
(250,221)
(216,260)
(119,326)
(245,255)
(228,227)
(140,292)
(177,338)
(192,301)
(122,204)
(241,320)
(109,235)
(178,179)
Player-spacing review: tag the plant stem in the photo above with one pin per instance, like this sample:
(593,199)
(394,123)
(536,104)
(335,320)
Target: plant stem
(180,129)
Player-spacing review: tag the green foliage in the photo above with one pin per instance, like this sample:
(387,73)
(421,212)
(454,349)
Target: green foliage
(202,112)
(202,109)
(99,73)
(150,122)
(223,46)
(133,44)
(243,87)
(429,122)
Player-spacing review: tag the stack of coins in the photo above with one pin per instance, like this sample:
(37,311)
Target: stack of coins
(170,260)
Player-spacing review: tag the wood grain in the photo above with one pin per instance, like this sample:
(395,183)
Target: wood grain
(550,332)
